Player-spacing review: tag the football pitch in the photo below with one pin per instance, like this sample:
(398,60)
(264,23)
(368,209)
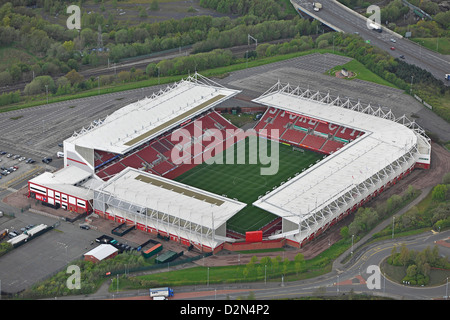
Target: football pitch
(244,182)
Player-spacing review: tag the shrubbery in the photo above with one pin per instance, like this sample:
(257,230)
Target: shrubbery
(418,264)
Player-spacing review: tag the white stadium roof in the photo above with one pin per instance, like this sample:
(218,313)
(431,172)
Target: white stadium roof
(143,120)
(384,142)
(169,200)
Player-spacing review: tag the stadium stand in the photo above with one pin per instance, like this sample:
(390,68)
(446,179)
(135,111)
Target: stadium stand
(156,156)
(306,132)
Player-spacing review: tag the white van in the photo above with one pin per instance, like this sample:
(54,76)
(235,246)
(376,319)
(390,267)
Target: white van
(60,154)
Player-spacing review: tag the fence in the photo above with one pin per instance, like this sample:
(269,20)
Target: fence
(423,102)
(159,266)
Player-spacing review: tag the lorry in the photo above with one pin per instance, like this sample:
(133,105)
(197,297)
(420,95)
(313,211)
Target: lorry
(447,77)
(317,6)
(161,292)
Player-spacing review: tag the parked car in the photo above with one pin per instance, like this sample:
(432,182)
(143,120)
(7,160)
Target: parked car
(85,227)
(47,160)
(393,40)
(402,57)
(392,48)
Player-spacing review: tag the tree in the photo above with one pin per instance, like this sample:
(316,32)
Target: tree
(404,255)
(154,5)
(38,85)
(411,271)
(344,232)
(439,192)
(446,177)
(5,78)
(74,77)
(299,262)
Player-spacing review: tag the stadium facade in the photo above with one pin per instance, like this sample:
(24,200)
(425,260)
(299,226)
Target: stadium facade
(121,168)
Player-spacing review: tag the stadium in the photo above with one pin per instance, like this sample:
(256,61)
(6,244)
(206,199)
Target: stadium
(334,156)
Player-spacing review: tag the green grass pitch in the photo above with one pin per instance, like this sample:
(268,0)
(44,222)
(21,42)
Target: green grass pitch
(245,183)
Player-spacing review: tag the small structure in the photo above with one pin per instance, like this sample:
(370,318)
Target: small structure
(102,252)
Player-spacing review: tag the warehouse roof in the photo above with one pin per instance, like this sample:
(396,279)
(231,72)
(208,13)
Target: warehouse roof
(145,119)
(102,251)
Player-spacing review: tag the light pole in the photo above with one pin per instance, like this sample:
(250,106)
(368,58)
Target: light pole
(410,90)
(446,290)
(158,75)
(393,225)
(352,242)
(46,90)
(265,274)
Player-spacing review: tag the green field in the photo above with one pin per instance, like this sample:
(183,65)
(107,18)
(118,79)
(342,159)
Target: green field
(245,183)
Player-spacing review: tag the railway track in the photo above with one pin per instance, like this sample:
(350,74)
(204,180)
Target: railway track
(140,63)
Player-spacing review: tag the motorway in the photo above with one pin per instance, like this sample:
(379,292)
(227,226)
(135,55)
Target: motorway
(341,18)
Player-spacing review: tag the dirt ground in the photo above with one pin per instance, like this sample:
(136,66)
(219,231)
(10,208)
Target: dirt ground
(419,178)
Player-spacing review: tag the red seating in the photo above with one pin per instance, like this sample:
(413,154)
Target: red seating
(163,147)
(347,133)
(148,154)
(331,146)
(132,161)
(313,141)
(307,123)
(327,128)
(102,156)
(163,167)
(293,136)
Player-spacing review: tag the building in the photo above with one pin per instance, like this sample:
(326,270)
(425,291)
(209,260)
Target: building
(171,209)
(70,188)
(375,152)
(100,253)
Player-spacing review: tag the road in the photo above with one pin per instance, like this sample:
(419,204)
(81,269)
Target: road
(346,20)
(346,275)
